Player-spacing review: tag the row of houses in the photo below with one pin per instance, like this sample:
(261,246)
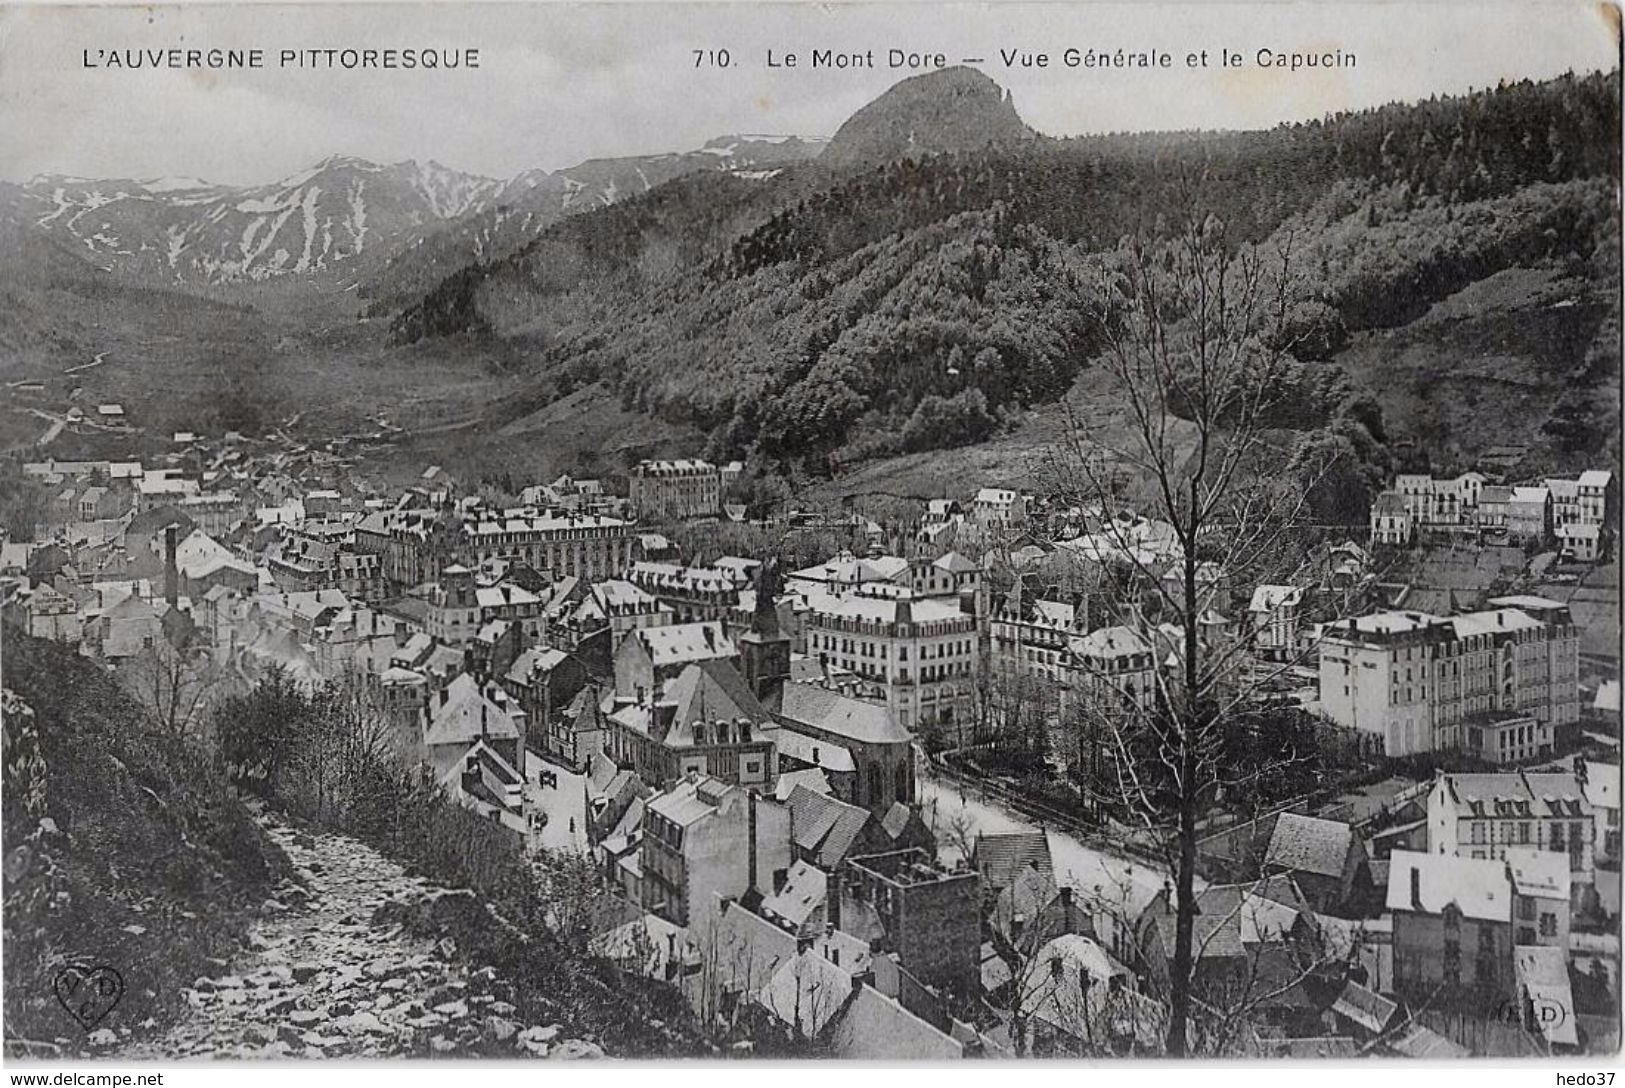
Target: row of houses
(1578,513)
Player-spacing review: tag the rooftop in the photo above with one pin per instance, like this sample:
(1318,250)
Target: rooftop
(1477,887)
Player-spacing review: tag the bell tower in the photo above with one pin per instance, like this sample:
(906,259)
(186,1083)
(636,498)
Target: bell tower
(765,648)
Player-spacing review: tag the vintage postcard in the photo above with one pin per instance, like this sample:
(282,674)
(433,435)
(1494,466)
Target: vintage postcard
(889,532)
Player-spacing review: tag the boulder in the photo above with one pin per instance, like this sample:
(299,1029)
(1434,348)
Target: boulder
(537,1035)
(500,1029)
(360,1023)
(576,1048)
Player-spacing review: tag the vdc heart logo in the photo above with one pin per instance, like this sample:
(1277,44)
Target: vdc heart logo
(88,992)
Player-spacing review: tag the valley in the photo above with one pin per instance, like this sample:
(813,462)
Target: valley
(793,301)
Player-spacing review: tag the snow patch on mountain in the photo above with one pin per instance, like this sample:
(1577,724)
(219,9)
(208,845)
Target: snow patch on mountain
(357,219)
(174,185)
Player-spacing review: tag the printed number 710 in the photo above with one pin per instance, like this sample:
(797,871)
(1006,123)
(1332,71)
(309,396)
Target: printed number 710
(712,58)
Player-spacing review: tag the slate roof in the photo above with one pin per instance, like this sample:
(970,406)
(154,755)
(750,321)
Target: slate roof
(748,948)
(467,714)
(824,826)
(1521,795)
(1543,973)
(1230,917)
(537,659)
(1308,844)
(1538,874)
(1317,1046)
(954,563)
(1267,598)
(682,804)
(807,993)
(1093,1011)
(819,753)
(1390,503)
(683,643)
(1370,1011)
(1478,887)
(874,1027)
(895,822)
(841,715)
(1417,1041)
(1602,782)
(805,889)
(811,778)
(1001,856)
(1026,898)
(1109,643)
(711,691)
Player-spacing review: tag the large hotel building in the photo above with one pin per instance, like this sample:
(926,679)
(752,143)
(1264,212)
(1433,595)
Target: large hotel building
(1496,682)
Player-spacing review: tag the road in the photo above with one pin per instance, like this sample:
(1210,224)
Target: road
(559,799)
(1114,880)
(55,428)
(101,357)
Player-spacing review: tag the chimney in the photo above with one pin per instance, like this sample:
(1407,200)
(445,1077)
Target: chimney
(750,879)
(172,589)
(1416,888)
(832,895)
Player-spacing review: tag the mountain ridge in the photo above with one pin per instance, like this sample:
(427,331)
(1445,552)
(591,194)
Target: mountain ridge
(340,222)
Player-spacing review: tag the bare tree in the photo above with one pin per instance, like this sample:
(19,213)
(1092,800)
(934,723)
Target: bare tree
(1184,484)
(173,684)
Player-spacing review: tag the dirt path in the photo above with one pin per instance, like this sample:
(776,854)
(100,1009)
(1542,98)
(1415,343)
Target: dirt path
(320,980)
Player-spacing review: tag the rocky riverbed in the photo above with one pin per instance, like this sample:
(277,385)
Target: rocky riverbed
(335,968)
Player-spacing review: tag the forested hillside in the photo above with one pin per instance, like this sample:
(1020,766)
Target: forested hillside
(926,301)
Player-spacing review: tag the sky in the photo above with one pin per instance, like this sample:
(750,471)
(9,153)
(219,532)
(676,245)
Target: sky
(560,83)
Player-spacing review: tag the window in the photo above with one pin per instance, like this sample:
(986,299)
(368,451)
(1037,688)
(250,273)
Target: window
(1548,924)
(1523,832)
(1526,909)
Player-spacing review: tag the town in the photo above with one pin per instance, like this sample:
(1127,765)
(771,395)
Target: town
(853,775)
